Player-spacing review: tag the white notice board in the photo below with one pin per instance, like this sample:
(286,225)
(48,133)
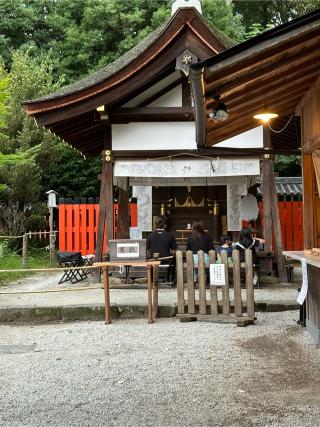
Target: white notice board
(127,250)
(217,275)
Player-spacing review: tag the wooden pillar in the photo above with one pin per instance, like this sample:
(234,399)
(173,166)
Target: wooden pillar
(271,216)
(266,182)
(309,226)
(105,220)
(123,214)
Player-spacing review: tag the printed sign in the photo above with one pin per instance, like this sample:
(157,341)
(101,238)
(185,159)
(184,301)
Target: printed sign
(304,288)
(135,233)
(127,250)
(217,275)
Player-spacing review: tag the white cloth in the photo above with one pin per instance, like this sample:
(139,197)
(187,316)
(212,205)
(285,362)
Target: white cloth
(249,209)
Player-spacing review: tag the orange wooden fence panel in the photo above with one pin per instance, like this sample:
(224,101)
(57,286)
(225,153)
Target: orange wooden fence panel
(78,225)
(291,220)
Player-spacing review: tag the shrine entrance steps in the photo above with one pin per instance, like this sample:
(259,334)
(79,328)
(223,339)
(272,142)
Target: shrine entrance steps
(218,309)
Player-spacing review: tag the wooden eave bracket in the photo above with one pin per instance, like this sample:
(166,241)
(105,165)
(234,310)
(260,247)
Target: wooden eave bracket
(311,145)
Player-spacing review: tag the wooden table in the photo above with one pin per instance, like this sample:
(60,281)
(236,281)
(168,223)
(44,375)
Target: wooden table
(149,265)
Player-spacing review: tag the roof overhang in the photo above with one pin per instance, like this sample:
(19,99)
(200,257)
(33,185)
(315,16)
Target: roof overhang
(279,65)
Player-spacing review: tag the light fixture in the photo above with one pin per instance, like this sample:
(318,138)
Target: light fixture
(103,114)
(220,114)
(265,114)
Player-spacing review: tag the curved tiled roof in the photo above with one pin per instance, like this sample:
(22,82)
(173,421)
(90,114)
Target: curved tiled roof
(120,63)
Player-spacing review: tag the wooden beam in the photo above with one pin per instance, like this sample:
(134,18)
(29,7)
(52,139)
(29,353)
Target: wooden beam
(151,114)
(264,50)
(259,70)
(269,81)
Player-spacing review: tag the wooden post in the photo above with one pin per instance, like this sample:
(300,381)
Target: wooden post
(52,238)
(25,250)
(277,232)
(249,283)
(309,223)
(190,280)
(180,285)
(105,220)
(202,283)
(106,295)
(149,285)
(267,171)
(155,290)
(213,289)
(236,283)
(225,288)
(123,215)
(271,210)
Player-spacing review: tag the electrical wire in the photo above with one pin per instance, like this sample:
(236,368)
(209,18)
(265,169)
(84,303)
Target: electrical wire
(183,154)
(284,127)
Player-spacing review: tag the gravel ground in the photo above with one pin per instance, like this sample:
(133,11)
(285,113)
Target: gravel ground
(166,374)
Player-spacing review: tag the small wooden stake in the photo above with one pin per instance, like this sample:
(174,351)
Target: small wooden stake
(180,286)
(190,280)
(202,283)
(249,283)
(236,283)
(213,289)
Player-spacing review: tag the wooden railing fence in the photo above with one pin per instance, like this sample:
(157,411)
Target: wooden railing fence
(220,308)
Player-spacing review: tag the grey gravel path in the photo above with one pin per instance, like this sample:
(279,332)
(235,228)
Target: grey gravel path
(166,374)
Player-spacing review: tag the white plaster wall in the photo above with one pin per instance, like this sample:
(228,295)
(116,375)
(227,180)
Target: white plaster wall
(252,138)
(154,136)
(169,99)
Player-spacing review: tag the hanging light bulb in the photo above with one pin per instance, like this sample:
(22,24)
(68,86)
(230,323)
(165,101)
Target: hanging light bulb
(265,114)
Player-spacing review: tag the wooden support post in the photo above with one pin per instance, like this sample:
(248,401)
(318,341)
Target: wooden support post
(249,283)
(105,220)
(123,215)
(155,291)
(149,286)
(225,288)
(180,285)
(190,280)
(202,283)
(278,246)
(309,222)
(266,182)
(236,283)
(106,295)
(25,250)
(213,289)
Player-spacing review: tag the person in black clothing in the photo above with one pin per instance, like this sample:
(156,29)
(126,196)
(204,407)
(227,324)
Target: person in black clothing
(162,244)
(199,241)
(225,245)
(247,241)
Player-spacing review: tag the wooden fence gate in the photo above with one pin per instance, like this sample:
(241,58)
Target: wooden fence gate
(220,309)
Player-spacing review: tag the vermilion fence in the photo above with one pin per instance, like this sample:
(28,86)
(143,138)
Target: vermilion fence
(78,226)
(291,220)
